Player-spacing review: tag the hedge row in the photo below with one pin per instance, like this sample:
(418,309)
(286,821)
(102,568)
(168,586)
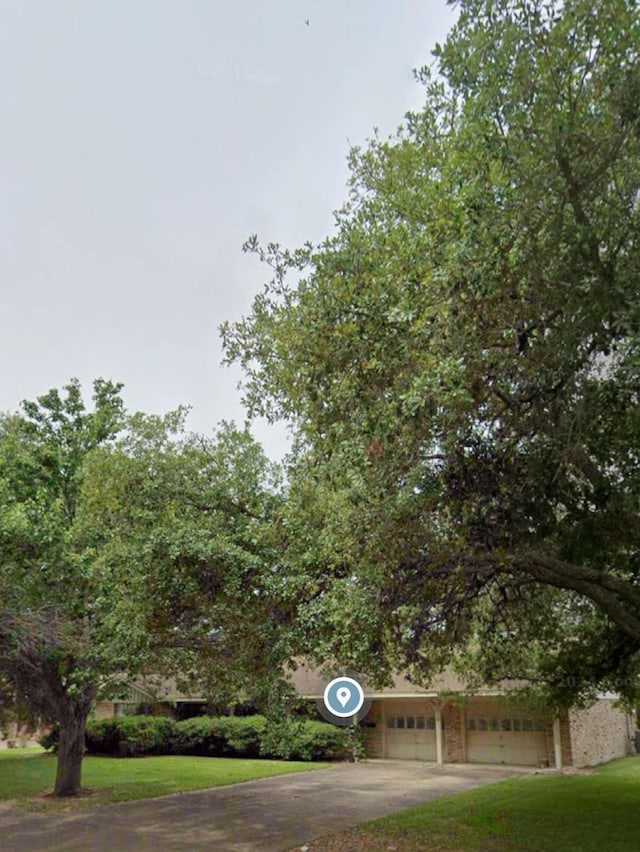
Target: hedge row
(226,736)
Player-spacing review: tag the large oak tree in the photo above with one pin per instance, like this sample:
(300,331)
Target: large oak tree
(461,361)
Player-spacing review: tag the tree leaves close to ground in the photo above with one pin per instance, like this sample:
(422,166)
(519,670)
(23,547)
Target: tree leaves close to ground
(461,361)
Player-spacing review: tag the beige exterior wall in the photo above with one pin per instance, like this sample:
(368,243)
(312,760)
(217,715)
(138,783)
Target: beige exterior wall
(104,710)
(599,733)
(311,682)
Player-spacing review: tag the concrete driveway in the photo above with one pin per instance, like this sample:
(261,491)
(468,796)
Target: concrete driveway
(258,816)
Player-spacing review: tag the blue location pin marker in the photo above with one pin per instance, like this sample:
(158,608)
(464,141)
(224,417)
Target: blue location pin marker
(343,697)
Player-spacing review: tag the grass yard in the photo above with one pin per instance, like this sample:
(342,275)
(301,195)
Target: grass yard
(538,813)
(12,753)
(27,776)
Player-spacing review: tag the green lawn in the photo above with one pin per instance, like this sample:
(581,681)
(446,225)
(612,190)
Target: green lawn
(12,753)
(26,776)
(563,813)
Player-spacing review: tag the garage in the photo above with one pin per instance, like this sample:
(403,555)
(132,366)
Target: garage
(495,734)
(410,732)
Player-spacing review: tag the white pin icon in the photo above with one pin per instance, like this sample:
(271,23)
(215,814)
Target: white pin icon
(343,698)
(343,695)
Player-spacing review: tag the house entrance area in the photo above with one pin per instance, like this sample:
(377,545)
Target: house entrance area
(443,723)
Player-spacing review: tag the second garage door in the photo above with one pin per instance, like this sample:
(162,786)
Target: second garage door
(495,737)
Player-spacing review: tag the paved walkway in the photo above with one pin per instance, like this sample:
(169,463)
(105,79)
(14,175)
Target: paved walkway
(259,816)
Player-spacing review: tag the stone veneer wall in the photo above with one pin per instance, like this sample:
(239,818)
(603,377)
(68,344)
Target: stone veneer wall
(599,733)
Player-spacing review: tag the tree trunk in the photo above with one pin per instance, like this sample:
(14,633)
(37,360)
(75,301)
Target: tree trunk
(71,749)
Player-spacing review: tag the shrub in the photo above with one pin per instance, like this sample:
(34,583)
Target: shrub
(306,740)
(243,734)
(220,735)
(127,736)
(281,738)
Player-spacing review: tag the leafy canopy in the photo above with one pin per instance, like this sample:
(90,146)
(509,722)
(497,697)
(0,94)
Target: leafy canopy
(461,362)
(128,545)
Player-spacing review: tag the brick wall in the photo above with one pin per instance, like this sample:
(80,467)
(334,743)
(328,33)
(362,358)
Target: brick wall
(566,745)
(374,731)
(454,751)
(598,733)
(566,749)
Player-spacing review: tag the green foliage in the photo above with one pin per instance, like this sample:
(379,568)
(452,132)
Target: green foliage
(220,736)
(129,544)
(50,739)
(223,736)
(461,362)
(197,517)
(305,739)
(586,812)
(282,737)
(56,602)
(130,736)
(29,777)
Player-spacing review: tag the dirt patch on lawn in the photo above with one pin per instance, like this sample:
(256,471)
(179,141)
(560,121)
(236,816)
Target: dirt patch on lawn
(48,802)
(359,840)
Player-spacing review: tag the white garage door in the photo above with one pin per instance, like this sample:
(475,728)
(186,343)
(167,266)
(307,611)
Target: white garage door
(517,740)
(410,734)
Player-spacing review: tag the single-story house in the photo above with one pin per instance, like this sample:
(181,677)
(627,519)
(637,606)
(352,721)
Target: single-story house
(445,723)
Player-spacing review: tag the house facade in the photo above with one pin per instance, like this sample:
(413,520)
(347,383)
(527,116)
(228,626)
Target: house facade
(443,723)
(446,724)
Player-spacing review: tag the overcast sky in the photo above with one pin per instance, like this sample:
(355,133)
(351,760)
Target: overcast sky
(142,141)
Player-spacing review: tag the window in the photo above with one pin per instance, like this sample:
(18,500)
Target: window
(399,721)
(505,724)
(494,724)
(411,722)
(431,723)
(517,724)
(471,724)
(420,723)
(527,724)
(482,725)
(391,721)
